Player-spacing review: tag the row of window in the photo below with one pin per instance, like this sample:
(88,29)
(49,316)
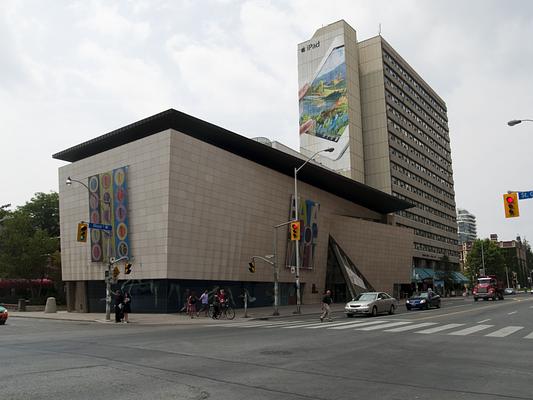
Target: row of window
(411,149)
(438,250)
(426,221)
(440,140)
(433,236)
(425,207)
(421,193)
(413,82)
(415,128)
(421,180)
(409,161)
(431,162)
(414,106)
(427,138)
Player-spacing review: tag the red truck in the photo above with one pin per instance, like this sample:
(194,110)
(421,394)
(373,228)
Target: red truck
(488,287)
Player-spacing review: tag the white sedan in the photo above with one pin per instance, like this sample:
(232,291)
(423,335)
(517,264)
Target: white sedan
(371,303)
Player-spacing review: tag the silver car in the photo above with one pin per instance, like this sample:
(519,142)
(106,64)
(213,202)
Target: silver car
(371,303)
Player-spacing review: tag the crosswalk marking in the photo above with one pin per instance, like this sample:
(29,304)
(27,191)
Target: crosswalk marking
(357,324)
(440,328)
(508,330)
(410,327)
(375,328)
(330,324)
(472,329)
(303,325)
(391,326)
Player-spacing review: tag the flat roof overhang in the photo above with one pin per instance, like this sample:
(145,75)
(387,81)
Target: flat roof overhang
(250,149)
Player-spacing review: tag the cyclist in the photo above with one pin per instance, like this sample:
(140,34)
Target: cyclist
(219,303)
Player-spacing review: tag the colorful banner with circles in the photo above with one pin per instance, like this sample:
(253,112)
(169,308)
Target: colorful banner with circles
(108,204)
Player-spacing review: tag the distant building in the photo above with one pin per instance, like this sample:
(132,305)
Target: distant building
(466,225)
(516,261)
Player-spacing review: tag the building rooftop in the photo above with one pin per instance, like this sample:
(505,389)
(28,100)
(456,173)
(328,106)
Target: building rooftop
(250,149)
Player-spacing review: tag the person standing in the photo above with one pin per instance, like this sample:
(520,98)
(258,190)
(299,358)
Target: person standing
(119,305)
(127,306)
(326,306)
(204,300)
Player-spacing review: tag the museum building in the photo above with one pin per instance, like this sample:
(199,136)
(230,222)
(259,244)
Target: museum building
(189,204)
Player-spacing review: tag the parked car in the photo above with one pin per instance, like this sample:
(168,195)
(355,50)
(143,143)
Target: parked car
(509,290)
(371,303)
(423,300)
(3,315)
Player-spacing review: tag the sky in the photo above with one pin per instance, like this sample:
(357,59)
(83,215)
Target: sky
(74,70)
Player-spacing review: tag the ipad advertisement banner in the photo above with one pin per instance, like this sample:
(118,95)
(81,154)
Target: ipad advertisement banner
(323,102)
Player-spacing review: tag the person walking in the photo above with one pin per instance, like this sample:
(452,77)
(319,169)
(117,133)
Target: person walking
(326,303)
(204,300)
(191,304)
(127,306)
(119,306)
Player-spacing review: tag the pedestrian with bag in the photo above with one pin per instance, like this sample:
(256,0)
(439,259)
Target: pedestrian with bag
(119,306)
(127,306)
(326,306)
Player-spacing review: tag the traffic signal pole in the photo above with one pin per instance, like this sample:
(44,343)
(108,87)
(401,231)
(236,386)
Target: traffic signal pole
(108,280)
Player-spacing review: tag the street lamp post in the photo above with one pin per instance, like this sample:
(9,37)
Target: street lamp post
(297,241)
(518,121)
(109,264)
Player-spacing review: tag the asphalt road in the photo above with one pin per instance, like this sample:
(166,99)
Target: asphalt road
(464,350)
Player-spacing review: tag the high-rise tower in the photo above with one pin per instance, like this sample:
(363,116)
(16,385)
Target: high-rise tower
(389,129)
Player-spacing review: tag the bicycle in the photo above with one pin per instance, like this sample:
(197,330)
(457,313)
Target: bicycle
(227,312)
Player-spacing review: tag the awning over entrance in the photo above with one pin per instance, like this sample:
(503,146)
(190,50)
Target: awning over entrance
(421,274)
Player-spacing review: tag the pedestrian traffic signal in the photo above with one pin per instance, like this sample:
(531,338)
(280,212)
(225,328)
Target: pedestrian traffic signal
(127,268)
(251,267)
(510,204)
(295,230)
(82,232)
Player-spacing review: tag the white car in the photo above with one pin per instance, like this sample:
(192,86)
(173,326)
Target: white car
(371,303)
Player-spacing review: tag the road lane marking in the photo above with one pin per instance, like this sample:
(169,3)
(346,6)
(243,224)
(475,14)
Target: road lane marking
(530,336)
(511,313)
(485,320)
(328,325)
(440,328)
(411,327)
(362,324)
(472,329)
(508,330)
(303,325)
(387,325)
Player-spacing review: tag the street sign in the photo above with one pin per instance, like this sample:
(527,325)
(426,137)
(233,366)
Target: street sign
(101,227)
(525,195)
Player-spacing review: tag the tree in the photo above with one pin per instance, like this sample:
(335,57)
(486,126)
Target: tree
(29,238)
(494,260)
(43,210)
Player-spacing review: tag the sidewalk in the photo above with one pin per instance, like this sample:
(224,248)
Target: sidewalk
(181,319)
(175,319)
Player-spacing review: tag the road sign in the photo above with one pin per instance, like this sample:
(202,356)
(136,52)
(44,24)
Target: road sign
(101,227)
(525,195)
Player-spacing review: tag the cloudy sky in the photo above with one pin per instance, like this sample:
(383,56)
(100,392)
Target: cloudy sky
(73,70)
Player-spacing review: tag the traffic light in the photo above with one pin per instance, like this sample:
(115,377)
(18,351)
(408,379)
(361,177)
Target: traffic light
(510,204)
(295,230)
(82,232)
(127,268)
(116,272)
(251,267)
